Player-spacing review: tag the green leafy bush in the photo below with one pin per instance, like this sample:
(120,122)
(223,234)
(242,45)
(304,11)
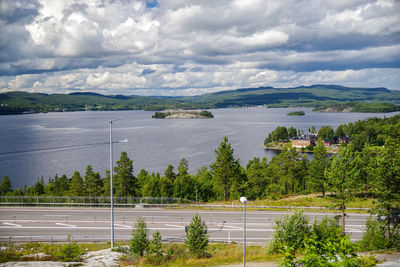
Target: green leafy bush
(325,229)
(140,237)
(374,236)
(69,252)
(197,237)
(290,231)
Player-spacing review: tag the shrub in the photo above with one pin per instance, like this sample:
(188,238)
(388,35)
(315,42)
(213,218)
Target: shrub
(154,253)
(140,237)
(290,231)
(325,229)
(69,252)
(175,251)
(374,236)
(197,237)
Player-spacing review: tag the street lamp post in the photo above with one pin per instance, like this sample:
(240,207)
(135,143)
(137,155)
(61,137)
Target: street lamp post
(111,182)
(244,201)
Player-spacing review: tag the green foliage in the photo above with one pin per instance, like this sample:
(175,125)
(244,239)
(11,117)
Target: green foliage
(140,237)
(5,186)
(280,134)
(125,181)
(290,231)
(257,178)
(318,165)
(197,237)
(334,251)
(326,133)
(342,178)
(76,187)
(69,252)
(324,245)
(311,96)
(92,182)
(296,113)
(386,186)
(154,254)
(374,237)
(326,229)
(379,107)
(226,170)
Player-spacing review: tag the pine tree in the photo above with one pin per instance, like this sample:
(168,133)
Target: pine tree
(140,237)
(155,245)
(152,187)
(204,185)
(225,169)
(386,187)
(197,237)
(341,177)
(317,168)
(124,180)
(61,185)
(257,178)
(76,185)
(5,185)
(106,184)
(92,182)
(184,184)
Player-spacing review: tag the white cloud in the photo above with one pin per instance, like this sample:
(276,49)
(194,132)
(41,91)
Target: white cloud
(190,47)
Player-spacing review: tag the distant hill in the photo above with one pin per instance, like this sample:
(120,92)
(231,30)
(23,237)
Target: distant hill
(315,96)
(306,96)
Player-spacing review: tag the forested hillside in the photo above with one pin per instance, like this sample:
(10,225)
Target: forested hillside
(304,96)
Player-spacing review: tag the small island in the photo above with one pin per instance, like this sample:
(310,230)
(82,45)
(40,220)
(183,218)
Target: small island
(296,113)
(183,114)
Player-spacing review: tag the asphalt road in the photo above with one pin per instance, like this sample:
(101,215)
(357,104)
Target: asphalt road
(93,224)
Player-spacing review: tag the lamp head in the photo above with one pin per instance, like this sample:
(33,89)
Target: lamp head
(243,200)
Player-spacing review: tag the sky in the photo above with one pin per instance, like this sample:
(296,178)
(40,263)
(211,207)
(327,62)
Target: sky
(177,47)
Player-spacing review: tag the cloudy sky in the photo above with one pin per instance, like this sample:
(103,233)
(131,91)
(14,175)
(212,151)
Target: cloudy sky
(177,47)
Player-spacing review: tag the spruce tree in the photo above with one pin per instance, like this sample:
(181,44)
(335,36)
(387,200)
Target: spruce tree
(225,169)
(140,237)
(76,185)
(124,180)
(197,237)
(92,182)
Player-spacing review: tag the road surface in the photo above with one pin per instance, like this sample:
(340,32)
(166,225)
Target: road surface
(93,224)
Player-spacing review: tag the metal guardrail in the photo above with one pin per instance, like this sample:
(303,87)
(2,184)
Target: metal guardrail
(88,201)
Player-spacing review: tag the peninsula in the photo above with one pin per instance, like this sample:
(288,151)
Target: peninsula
(183,114)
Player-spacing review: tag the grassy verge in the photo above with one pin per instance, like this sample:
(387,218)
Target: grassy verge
(311,200)
(175,254)
(219,254)
(31,251)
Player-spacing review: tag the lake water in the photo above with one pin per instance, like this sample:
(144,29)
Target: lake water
(43,145)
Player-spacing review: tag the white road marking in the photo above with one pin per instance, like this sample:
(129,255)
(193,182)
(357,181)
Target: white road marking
(122,225)
(234,227)
(64,224)
(13,224)
(173,225)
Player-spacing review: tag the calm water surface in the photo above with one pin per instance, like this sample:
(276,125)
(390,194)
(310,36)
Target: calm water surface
(43,145)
